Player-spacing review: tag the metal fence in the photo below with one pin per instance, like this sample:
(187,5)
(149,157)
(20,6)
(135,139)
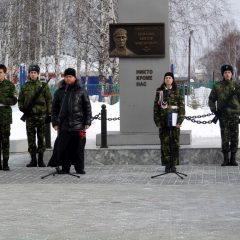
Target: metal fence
(198,93)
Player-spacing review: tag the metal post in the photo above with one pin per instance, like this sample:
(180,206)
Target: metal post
(48,135)
(189,61)
(103,127)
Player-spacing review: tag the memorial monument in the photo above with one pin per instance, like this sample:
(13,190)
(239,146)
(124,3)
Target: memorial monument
(144,29)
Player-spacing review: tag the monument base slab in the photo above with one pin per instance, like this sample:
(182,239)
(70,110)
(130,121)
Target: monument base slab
(120,138)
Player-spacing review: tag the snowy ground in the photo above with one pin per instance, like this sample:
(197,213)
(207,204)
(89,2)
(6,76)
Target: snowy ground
(199,131)
(18,128)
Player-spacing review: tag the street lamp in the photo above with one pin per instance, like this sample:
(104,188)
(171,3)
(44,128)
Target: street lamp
(189,60)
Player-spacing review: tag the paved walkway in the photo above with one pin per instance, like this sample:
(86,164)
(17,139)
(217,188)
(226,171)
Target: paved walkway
(120,202)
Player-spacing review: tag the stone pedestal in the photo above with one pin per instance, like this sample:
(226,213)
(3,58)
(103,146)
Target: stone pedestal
(128,139)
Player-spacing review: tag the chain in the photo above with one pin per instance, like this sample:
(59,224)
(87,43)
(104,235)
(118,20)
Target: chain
(189,118)
(98,117)
(113,119)
(192,118)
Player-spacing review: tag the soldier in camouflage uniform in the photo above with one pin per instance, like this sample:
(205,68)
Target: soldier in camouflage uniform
(7,99)
(35,121)
(168,99)
(229,115)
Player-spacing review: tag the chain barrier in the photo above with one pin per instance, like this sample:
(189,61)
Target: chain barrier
(189,118)
(98,117)
(192,118)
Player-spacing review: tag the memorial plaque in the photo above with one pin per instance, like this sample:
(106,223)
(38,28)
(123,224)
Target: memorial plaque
(137,40)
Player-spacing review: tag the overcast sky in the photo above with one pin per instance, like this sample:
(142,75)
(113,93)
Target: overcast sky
(234,6)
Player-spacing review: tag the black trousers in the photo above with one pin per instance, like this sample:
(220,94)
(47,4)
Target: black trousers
(68,150)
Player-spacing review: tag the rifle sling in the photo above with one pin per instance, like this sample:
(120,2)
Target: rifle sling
(33,101)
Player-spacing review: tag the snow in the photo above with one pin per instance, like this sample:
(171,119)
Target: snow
(199,131)
(18,127)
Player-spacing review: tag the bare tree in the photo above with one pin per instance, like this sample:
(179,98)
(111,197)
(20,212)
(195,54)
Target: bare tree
(203,17)
(42,31)
(225,51)
(98,15)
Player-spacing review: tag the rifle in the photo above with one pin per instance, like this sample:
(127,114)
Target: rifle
(224,106)
(29,107)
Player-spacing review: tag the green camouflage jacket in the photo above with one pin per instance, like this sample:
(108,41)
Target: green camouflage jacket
(43,103)
(7,99)
(220,93)
(174,102)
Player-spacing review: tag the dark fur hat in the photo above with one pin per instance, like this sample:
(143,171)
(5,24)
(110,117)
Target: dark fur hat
(34,68)
(169,74)
(226,68)
(70,71)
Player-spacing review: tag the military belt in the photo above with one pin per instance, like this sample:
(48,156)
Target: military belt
(40,103)
(172,107)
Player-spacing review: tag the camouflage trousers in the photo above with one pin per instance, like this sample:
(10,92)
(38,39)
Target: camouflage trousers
(4,140)
(229,134)
(169,139)
(35,126)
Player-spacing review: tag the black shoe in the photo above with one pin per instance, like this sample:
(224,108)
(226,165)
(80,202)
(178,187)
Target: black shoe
(5,166)
(80,171)
(63,171)
(224,163)
(167,168)
(233,161)
(225,160)
(41,164)
(173,169)
(0,165)
(40,160)
(32,164)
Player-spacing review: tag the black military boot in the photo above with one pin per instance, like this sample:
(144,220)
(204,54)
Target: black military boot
(40,160)
(167,168)
(79,168)
(225,159)
(5,166)
(79,171)
(33,162)
(233,161)
(0,157)
(173,167)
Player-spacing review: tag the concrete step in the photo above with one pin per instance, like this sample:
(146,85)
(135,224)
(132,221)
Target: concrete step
(134,155)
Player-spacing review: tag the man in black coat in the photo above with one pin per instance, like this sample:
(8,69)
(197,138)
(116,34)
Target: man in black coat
(71,116)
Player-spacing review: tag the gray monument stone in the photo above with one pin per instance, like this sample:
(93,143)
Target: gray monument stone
(137,97)
(136,102)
